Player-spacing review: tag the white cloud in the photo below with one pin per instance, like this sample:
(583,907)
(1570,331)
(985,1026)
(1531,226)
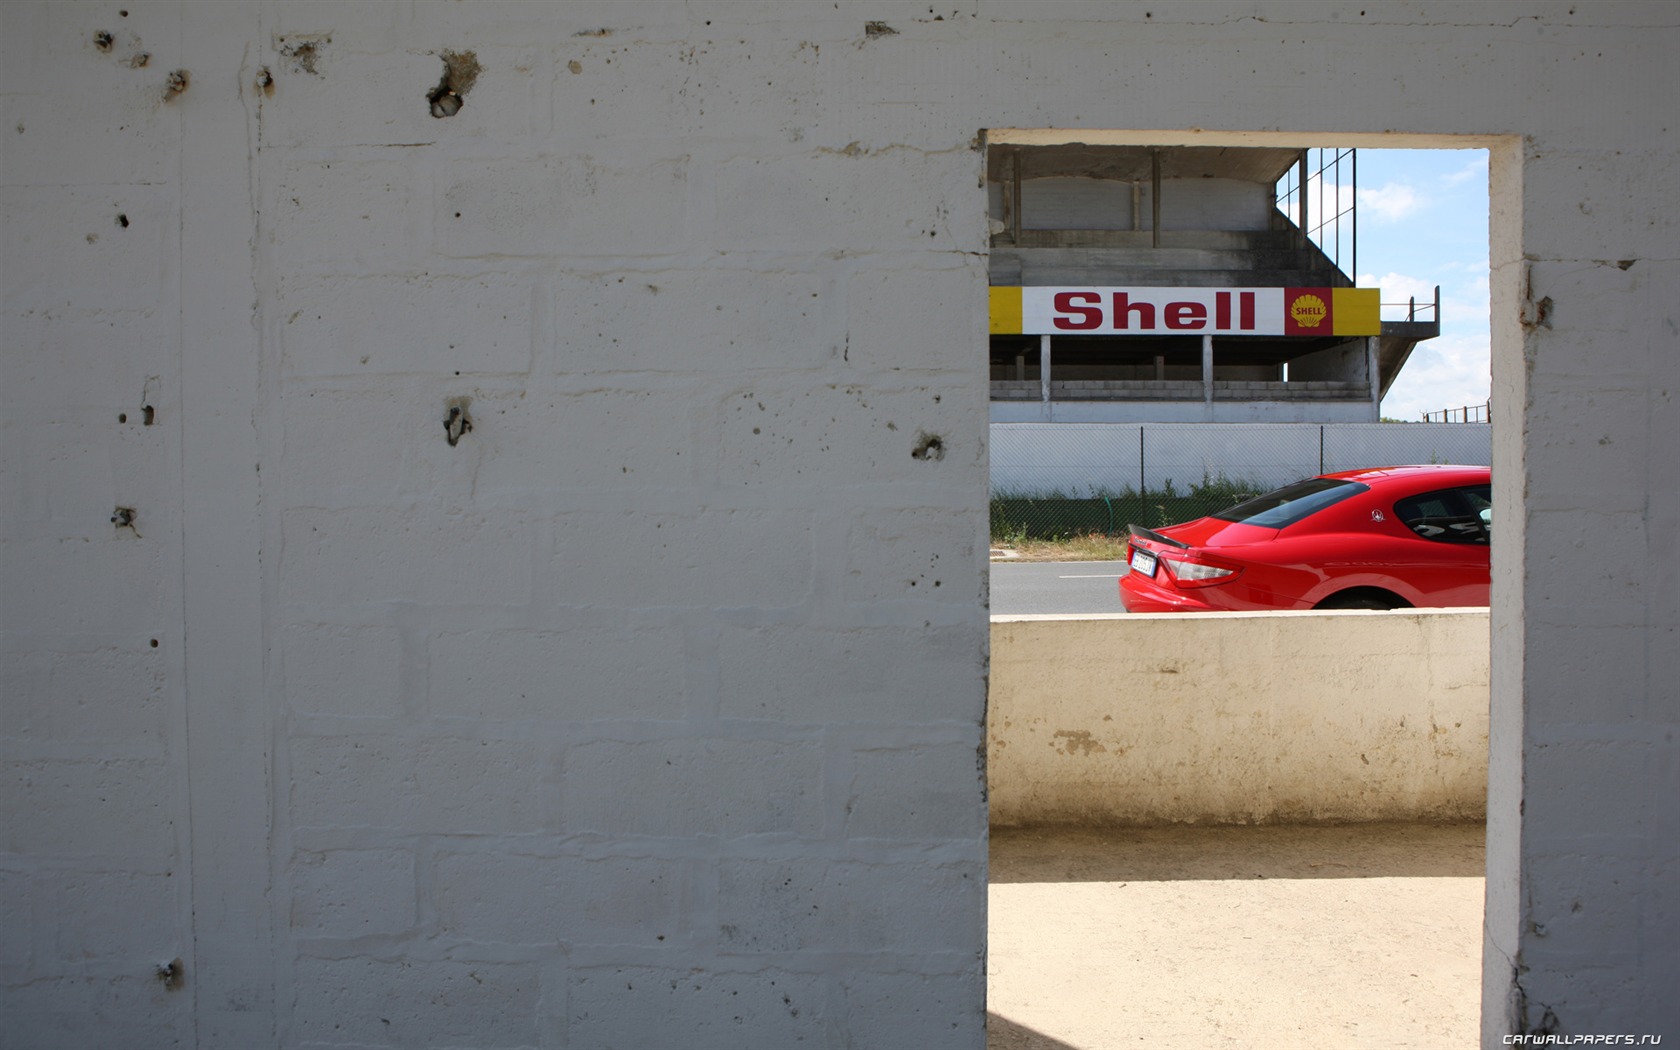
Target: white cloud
(1397,292)
(1449,372)
(1476,168)
(1391,202)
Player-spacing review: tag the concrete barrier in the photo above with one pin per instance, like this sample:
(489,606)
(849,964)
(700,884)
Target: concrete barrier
(1239,717)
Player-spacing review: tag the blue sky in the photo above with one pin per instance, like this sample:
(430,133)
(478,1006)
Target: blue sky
(1423,221)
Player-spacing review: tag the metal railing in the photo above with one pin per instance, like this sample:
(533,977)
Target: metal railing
(1311,194)
(1482,413)
(1414,311)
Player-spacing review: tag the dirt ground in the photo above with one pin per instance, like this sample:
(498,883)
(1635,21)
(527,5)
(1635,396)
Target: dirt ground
(1262,937)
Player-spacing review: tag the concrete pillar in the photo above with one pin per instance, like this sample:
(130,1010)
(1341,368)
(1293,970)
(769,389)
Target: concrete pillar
(1372,377)
(1044,369)
(1207,371)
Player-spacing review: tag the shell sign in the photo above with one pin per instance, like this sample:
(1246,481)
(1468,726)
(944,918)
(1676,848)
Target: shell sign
(1185,311)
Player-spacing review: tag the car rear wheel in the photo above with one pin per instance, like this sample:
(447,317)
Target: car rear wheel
(1363,599)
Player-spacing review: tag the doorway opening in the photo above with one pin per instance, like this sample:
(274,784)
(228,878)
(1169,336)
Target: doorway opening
(1077,412)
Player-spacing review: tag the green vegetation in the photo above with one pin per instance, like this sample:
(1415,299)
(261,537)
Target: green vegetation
(1019,519)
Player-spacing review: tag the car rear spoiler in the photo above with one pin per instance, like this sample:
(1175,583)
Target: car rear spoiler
(1155,537)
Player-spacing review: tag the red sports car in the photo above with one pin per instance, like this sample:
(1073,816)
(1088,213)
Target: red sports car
(1385,538)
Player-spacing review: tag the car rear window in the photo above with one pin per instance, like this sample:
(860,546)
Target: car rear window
(1291,503)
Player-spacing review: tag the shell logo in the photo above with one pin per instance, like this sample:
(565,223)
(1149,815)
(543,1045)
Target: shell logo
(1308,311)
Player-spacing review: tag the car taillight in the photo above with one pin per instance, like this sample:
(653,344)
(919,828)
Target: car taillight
(1196,574)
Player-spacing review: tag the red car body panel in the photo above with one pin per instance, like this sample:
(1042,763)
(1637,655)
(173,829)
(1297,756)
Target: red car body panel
(1360,543)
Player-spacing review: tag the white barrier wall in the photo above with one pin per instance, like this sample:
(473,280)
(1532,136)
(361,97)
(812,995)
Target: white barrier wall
(1239,718)
(651,705)
(1080,460)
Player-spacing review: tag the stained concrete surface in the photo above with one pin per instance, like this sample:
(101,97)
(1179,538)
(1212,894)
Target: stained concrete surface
(1262,937)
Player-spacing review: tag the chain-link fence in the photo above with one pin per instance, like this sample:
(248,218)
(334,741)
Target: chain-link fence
(1056,480)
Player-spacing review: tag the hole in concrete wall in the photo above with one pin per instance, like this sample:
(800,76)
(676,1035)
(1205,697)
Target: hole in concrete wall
(147,415)
(460,73)
(305,52)
(458,422)
(928,446)
(103,40)
(177,84)
(122,220)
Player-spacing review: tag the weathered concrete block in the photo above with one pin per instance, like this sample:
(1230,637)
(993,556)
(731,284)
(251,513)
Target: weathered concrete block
(914,1009)
(1576,818)
(572,205)
(91,366)
(417,784)
(595,672)
(712,1010)
(18,909)
(92,463)
(1618,918)
(1595,306)
(414,1001)
(916,792)
(339,669)
(125,808)
(713,558)
(396,426)
(349,212)
(890,328)
(765,673)
(692,787)
(1611,193)
(1552,603)
(352,892)
(321,51)
(775,434)
(74,1012)
(701,82)
(721,318)
(56,137)
(112,923)
(350,557)
(115,695)
(81,255)
(805,905)
(568,900)
(783,203)
(921,555)
(530,443)
(344,325)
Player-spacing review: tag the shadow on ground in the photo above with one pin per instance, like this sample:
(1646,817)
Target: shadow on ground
(1190,853)
(1004,1034)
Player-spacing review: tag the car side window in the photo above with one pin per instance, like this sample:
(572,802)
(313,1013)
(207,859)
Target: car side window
(1448,516)
(1480,498)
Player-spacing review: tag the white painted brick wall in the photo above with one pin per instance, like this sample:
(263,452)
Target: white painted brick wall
(614,634)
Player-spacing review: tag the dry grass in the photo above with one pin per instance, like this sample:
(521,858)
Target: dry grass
(1090,547)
